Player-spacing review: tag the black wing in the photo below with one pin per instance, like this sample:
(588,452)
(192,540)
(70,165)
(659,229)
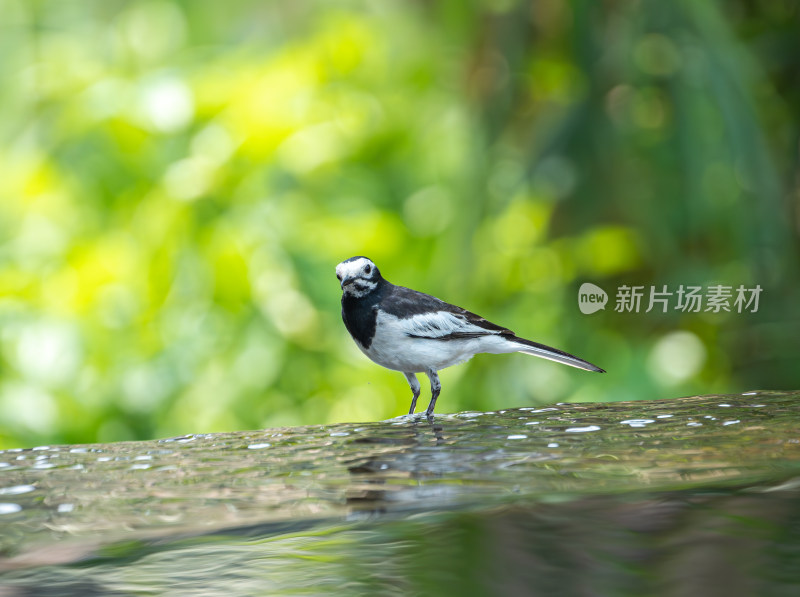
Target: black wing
(429,317)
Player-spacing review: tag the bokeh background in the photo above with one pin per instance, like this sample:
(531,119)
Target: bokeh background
(179,179)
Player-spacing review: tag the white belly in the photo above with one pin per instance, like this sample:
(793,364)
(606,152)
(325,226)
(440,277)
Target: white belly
(393,348)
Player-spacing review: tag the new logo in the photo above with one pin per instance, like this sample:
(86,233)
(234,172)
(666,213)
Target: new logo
(591,298)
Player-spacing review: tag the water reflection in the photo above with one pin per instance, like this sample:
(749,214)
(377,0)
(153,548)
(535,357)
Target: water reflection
(729,542)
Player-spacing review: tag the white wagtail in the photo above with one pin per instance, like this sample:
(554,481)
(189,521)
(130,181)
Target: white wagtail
(412,332)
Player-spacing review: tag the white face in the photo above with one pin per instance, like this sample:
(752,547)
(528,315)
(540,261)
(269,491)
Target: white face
(358,276)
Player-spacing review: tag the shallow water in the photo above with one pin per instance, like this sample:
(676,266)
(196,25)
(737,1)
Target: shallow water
(687,496)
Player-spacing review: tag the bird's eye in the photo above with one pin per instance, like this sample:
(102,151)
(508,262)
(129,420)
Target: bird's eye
(367,269)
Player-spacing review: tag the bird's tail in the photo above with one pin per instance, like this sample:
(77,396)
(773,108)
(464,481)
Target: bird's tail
(553,354)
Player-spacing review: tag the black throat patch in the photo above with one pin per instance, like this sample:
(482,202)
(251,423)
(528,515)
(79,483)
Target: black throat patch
(360,314)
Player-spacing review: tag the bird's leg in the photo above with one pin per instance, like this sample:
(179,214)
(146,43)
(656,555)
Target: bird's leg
(415,389)
(436,387)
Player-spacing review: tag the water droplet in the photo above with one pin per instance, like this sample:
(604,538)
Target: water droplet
(7,508)
(583,429)
(517,437)
(552,445)
(731,422)
(258,446)
(664,416)
(63,508)
(16,489)
(637,422)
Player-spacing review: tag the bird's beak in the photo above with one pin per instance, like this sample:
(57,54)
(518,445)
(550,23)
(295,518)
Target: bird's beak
(346,281)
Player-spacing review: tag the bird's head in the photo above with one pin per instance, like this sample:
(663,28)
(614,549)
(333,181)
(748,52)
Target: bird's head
(358,276)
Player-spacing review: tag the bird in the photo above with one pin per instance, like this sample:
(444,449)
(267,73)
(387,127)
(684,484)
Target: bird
(412,332)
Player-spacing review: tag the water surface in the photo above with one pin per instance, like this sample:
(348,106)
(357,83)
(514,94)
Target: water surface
(655,497)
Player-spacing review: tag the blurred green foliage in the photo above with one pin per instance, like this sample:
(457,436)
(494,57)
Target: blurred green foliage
(179,179)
